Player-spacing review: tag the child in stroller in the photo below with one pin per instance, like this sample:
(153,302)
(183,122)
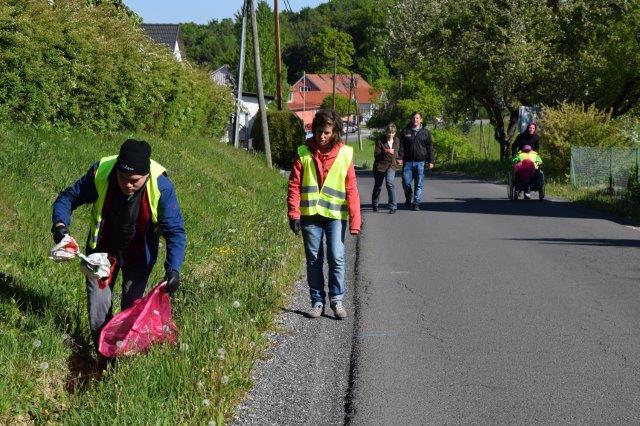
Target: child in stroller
(526,175)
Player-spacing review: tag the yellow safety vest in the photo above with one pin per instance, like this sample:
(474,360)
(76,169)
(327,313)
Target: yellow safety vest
(330,200)
(101,181)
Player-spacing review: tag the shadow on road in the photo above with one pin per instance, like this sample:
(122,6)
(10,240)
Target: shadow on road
(581,241)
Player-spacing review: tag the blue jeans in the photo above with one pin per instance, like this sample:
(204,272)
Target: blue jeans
(313,229)
(413,171)
(378,177)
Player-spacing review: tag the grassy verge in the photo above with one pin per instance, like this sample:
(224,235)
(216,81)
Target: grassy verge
(240,262)
(362,158)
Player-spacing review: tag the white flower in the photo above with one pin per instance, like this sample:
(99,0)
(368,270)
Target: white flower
(201,285)
(235,304)
(231,230)
(211,423)
(37,343)
(224,380)
(200,385)
(184,347)
(221,353)
(206,402)
(43,366)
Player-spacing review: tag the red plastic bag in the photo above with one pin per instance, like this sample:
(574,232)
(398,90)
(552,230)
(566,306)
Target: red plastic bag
(135,329)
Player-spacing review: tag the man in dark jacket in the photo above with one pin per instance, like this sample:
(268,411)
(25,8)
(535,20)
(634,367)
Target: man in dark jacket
(134,202)
(416,151)
(528,137)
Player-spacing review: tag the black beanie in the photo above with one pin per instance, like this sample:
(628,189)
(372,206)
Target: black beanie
(134,157)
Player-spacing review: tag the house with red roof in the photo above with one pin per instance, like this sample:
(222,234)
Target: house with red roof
(306,95)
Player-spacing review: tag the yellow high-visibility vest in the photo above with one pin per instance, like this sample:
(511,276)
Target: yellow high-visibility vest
(101,181)
(330,200)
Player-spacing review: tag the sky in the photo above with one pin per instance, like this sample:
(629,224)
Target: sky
(200,11)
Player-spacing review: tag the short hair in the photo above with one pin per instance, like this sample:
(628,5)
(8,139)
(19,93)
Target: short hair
(390,128)
(413,114)
(328,117)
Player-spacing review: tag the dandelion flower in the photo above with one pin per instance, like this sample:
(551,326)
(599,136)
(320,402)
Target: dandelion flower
(221,352)
(201,285)
(224,380)
(37,343)
(206,402)
(235,304)
(184,347)
(43,366)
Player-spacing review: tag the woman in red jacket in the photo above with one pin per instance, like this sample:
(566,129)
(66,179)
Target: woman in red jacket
(322,194)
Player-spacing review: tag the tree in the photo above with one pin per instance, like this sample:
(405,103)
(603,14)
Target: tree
(493,51)
(344,106)
(211,45)
(326,44)
(523,52)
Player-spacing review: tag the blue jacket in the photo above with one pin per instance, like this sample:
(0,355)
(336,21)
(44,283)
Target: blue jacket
(170,222)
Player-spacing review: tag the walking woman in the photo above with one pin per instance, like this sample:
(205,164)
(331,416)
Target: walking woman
(322,194)
(386,160)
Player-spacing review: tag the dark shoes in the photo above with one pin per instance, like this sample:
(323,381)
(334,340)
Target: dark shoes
(407,205)
(375,208)
(392,211)
(415,207)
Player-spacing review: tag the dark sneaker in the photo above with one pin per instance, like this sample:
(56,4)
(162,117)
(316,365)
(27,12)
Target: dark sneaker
(338,310)
(392,211)
(316,310)
(527,195)
(375,208)
(407,205)
(415,207)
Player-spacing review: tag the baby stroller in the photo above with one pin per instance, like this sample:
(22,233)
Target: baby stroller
(525,178)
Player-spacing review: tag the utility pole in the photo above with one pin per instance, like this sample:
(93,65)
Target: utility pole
(278,58)
(243,39)
(258,68)
(355,102)
(346,138)
(304,91)
(335,69)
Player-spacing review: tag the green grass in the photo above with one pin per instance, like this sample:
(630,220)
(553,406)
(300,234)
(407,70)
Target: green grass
(362,158)
(239,249)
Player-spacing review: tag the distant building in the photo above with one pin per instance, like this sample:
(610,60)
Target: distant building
(249,108)
(223,76)
(169,35)
(308,92)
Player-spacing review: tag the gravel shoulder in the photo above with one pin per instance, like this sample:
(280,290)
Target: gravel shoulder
(304,377)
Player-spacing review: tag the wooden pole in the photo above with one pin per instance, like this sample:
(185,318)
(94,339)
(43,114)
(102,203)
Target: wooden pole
(335,70)
(278,58)
(258,67)
(243,39)
(346,138)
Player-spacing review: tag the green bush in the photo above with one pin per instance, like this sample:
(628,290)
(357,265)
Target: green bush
(633,186)
(72,65)
(286,132)
(575,125)
(451,145)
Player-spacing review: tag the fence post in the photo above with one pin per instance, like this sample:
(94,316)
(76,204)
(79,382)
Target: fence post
(611,170)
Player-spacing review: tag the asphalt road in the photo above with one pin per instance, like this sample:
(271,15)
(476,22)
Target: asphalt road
(474,310)
(481,310)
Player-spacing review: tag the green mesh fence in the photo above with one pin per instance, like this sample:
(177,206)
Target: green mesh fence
(603,168)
